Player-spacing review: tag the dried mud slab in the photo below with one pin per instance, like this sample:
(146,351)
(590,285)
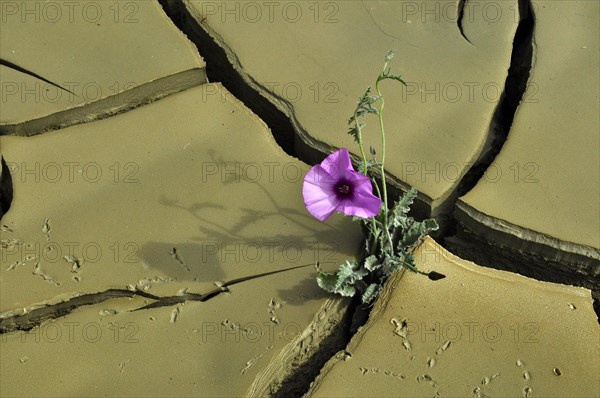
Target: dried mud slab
(313,60)
(478,332)
(172,199)
(64,63)
(540,196)
(206,349)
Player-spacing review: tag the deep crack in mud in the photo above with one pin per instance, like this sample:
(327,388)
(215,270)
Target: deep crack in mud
(514,89)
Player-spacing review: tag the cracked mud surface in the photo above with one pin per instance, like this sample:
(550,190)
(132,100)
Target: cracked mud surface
(155,242)
(164,188)
(90,77)
(414,339)
(329,81)
(509,211)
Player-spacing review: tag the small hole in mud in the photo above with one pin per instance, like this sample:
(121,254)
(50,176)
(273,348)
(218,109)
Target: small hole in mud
(556,371)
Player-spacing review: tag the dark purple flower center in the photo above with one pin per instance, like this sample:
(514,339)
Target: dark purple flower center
(343,189)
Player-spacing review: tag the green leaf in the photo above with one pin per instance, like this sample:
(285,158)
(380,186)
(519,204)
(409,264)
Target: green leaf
(347,291)
(373,163)
(327,281)
(406,257)
(344,280)
(365,105)
(365,110)
(371,263)
(362,169)
(431,225)
(370,100)
(371,293)
(399,216)
(390,56)
(365,95)
(348,274)
(416,232)
(353,131)
(391,264)
(344,273)
(370,163)
(406,200)
(366,99)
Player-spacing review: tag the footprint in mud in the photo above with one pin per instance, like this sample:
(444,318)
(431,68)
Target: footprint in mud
(401,329)
(271,307)
(443,347)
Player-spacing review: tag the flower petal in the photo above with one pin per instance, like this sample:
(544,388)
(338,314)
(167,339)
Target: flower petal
(317,190)
(363,205)
(363,196)
(338,163)
(360,181)
(320,183)
(322,208)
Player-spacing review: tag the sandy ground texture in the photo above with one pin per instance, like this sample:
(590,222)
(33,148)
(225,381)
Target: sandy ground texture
(172,207)
(71,46)
(476,333)
(550,163)
(157,243)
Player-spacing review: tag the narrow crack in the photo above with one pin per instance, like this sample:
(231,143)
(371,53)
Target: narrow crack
(18,68)
(6,188)
(37,316)
(460,8)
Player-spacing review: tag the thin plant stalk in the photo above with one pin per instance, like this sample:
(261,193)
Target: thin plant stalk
(364,157)
(383,182)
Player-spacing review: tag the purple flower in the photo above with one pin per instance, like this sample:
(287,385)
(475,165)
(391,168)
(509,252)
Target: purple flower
(333,186)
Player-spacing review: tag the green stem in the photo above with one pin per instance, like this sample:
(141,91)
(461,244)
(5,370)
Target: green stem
(373,245)
(364,157)
(376,187)
(379,223)
(360,144)
(381,128)
(413,268)
(374,220)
